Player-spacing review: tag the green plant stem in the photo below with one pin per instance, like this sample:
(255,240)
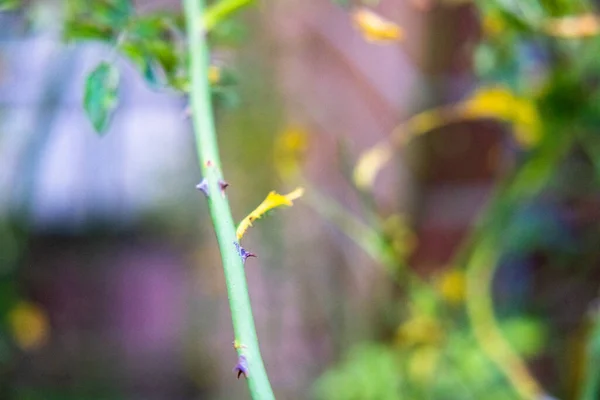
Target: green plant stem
(208,156)
(481,253)
(591,382)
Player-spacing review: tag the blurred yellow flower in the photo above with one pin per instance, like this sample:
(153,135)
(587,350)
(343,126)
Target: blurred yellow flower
(422,364)
(493,24)
(573,27)
(289,148)
(29,326)
(418,330)
(500,103)
(451,285)
(403,240)
(214,74)
(273,200)
(374,27)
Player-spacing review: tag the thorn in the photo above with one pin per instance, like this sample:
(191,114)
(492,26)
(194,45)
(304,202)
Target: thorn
(243,253)
(208,163)
(223,185)
(242,367)
(203,186)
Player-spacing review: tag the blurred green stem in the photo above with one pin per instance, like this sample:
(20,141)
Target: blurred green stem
(591,386)
(481,253)
(363,235)
(210,164)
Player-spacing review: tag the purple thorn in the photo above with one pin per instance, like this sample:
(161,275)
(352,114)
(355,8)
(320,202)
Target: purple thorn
(223,185)
(203,186)
(243,252)
(242,367)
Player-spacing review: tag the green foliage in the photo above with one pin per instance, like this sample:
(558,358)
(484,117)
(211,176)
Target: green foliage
(154,43)
(100,98)
(370,372)
(99,20)
(221,11)
(526,335)
(592,383)
(8,5)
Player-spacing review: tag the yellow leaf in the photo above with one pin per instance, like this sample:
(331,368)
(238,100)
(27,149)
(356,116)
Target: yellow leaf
(289,149)
(273,200)
(419,330)
(451,285)
(214,74)
(375,28)
(500,103)
(29,326)
(493,24)
(495,101)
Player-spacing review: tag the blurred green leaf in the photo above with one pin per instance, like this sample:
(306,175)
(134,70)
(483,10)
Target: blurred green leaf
(221,10)
(369,373)
(591,145)
(8,5)
(229,33)
(225,97)
(100,97)
(526,335)
(99,20)
(154,44)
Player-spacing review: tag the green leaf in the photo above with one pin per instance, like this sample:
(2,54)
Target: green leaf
(229,33)
(8,5)
(154,44)
(100,98)
(222,10)
(99,20)
(526,335)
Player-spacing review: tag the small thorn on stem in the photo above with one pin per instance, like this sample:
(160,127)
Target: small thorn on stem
(208,163)
(203,186)
(223,185)
(242,367)
(243,252)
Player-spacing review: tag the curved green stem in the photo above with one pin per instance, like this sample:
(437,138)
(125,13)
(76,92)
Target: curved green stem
(208,156)
(480,257)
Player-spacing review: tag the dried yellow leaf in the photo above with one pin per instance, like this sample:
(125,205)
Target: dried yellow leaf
(374,27)
(500,103)
(272,201)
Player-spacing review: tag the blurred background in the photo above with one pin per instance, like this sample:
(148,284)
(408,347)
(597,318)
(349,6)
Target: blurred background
(447,246)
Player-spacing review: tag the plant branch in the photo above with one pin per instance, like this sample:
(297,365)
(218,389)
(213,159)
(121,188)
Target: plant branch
(246,341)
(480,255)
